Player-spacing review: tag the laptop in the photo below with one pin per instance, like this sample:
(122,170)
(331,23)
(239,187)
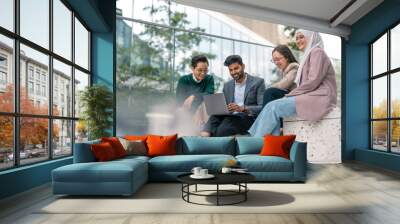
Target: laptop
(216,104)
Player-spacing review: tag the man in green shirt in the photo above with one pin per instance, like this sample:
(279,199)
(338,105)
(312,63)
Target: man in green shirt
(192,87)
(191,114)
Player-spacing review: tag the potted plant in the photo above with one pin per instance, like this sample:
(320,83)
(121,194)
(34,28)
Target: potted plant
(96,102)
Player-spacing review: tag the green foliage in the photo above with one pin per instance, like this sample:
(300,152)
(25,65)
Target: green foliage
(290,32)
(148,62)
(97,104)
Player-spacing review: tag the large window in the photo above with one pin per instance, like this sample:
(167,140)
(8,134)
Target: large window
(385,94)
(40,80)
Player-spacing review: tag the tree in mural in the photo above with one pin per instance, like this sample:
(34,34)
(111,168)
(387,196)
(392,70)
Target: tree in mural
(34,131)
(290,32)
(148,62)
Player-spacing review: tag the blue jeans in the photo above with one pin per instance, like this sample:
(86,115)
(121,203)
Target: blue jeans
(272,94)
(268,122)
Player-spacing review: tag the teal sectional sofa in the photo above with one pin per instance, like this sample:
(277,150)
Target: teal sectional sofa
(125,176)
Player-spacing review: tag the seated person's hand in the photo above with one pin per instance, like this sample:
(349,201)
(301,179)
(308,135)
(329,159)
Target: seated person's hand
(233,107)
(187,104)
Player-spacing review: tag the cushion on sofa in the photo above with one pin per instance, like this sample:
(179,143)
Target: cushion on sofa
(277,145)
(83,152)
(159,145)
(134,147)
(136,137)
(185,163)
(116,145)
(257,163)
(194,145)
(249,145)
(103,152)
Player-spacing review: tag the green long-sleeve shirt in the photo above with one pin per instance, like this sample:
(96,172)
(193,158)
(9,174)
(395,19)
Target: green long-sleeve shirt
(187,86)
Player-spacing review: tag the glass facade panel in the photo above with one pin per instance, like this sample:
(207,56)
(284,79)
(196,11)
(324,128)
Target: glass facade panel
(62,89)
(6,74)
(62,138)
(34,21)
(395,136)
(379,56)
(39,61)
(81,131)
(204,21)
(379,135)
(395,47)
(33,140)
(379,98)
(81,45)
(7,14)
(6,142)
(145,78)
(62,29)
(395,95)
(81,82)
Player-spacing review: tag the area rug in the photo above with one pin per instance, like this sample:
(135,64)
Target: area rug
(166,198)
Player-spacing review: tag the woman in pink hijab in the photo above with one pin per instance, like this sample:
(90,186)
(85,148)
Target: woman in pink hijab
(315,94)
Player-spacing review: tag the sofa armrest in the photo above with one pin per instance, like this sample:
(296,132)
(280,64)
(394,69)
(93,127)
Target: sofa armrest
(298,155)
(83,152)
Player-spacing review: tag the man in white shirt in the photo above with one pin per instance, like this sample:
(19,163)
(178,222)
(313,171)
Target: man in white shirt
(244,96)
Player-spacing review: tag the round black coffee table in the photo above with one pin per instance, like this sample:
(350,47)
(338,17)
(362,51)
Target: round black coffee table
(238,179)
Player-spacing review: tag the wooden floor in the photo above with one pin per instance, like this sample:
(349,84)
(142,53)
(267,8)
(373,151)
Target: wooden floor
(377,188)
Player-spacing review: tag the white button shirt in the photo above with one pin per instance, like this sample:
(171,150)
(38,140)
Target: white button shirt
(239,92)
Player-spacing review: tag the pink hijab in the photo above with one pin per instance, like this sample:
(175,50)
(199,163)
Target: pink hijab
(314,40)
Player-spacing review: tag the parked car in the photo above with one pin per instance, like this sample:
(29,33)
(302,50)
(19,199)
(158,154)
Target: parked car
(22,155)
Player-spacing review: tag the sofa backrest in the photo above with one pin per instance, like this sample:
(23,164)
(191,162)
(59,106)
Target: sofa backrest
(192,145)
(83,152)
(249,145)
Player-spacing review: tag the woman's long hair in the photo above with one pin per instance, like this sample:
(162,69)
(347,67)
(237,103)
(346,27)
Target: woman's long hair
(286,52)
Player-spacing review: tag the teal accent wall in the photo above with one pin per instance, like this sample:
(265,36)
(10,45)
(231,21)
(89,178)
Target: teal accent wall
(24,178)
(99,16)
(379,159)
(102,58)
(356,97)
(91,12)
(104,53)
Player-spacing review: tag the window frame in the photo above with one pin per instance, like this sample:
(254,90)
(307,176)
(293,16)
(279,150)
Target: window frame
(15,71)
(388,74)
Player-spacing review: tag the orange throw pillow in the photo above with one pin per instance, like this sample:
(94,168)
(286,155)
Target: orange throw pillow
(136,137)
(116,145)
(277,145)
(161,145)
(103,151)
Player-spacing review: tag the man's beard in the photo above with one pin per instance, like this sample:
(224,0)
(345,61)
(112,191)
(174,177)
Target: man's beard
(238,76)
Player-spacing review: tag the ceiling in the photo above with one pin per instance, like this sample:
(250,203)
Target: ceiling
(328,16)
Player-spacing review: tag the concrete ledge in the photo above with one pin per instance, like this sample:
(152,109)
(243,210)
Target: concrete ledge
(323,137)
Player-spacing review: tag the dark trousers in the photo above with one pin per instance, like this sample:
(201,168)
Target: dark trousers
(272,94)
(227,125)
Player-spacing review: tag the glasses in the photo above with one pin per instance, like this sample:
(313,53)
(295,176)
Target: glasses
(204,71)
(275,60)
